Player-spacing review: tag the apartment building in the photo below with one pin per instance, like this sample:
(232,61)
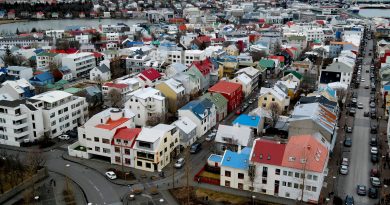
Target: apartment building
(20,121)
(117,98)
(148,105)
(17,89)
(80,63)
(155,147)
(45,58)
(56,34)
(62,111)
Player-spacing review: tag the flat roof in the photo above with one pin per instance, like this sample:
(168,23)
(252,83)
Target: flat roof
(52,96)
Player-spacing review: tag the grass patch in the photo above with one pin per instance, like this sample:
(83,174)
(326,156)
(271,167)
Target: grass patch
(210,175)
(220,197)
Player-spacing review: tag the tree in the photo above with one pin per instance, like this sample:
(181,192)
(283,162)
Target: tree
(36,160)
(277,47)
(10,59)
(62,44)
(258,55)
(17,31)
(115,97)
(53,66)
(341,94)
(274,111)
(154,119)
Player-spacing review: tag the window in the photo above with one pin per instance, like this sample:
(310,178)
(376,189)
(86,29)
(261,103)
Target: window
(277,171)
(295,186)
(289,184)
(227,174)
(165,139)
(97,149)
(308,188)
(264,180)
(148,165)
(117,149)
(315,177)
(106,141)
(240,186)
(273,99)
(53,123)
(227,183)
(127,151)
(117,159)
(240,176)
(309,176)
(314,189)
(139,163)
(127,161)
(54,131)
(284,183)
(285,173)
(296,175)
(96,139)
(290,174)
(287,194)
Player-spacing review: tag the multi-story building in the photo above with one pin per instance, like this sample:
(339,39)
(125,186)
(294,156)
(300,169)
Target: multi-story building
(80,63)
(56,34)
(155,147)
(17,89)
(19,72)
(62,112)
(20,121)
(117,97)
(25,41)
(45,58)
(174,91)
(148,105)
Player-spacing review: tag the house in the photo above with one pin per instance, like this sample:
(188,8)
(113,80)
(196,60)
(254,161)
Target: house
(155,147)
(245,82)
(201,69)
(235,169)
(233,138)
(115,94)
(21,121)
(202,113)
(187,131)
(97,134)
(100,73)
(62,112)
(253,73)
(191,83)
(232,50)
(275,94)
(174,69)
(19,72)
(18,89)
(80,63)
(231,91)
(316,120)
(293,76)
(336,72)
(148,105)
(267,68)
(149,77)
(291,86)
(66,73)
(122,146)
(174,92)
(304,67)
(44,59)
(220,102)
(42,79)
(256,123)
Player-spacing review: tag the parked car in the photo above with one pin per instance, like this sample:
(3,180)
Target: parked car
(361,190)
(360,106)
(375,181)
(345,161)
(373,141)
(179,163)
(111,175)
(211,136)
(373,193)
(372,105)
(349,200)
(374,158)
(352,111)
(343,170)
(374,150)
(373,129)
(374,172)
(64,137)
(348,142)
(366,114)
(195,148)
(366,87)
(349,129)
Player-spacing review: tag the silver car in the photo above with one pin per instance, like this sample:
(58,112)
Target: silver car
(344,170)
(179,163)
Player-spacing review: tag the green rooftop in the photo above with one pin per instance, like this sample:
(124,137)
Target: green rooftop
(47,54)
(72,90)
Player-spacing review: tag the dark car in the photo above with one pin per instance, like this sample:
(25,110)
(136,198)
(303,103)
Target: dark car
(349,200)
(366,114)
(374,158)
(372,105)
(195,148)
(373,193)
(348,142)
(374,172)
(349,129)
(373,129)
(352,111)
(373,141)
(373,115)
(361,190)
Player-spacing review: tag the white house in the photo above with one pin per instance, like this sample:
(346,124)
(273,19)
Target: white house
(122,149)
(336,72)
(79,63)
(100,73)
(57,34)
(202,113)
(20,121)
(17,89)
(62,111)
(246,83)
(19,72)
(233,137)
(155,147)
(187,131)
(253,73)
(148,104)
(111,98)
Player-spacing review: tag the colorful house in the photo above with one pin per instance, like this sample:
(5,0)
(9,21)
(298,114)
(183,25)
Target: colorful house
(231,91)
(221,104)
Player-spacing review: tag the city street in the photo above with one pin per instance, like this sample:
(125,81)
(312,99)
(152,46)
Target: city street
(359,154)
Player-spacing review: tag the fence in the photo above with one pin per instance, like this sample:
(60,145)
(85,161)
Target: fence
(41,174)
(207,180)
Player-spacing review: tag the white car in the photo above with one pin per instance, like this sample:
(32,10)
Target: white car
(345,161)
(360,105)
(363,80)
(374,150)
(344,169)
(111,175)
(179,163)
(64,137)
(211,136)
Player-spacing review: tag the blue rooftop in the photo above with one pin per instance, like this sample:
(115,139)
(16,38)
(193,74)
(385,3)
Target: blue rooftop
(198,107)
(215,158)
(386,87)
(247,120)
(237,160)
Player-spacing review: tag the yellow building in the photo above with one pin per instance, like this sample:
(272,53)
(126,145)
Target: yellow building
(227,69)
(174,91)
(273,95)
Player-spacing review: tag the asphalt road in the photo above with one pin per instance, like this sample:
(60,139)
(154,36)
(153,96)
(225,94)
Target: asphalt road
(359,153)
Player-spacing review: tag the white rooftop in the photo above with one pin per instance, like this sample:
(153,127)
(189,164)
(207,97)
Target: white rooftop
(148,92)
(185,124)
(239,135)
(52,96)
(243,78)
(175,85)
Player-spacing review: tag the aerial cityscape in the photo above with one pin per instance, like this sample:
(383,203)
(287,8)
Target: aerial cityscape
(187,102)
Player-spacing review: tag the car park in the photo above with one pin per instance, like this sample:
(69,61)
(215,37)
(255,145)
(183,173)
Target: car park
(343,170)
(111,175)
(373,193)
(349,200)
(361,190)
(195,148)
(179,163)
(348,142)
(375,181)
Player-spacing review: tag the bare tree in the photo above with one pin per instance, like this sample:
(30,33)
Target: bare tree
(115,97)
(274,111)
(258,55)
(154,119)
(53,66)
(182,100)
(277,47)
(36,160)
(341,94)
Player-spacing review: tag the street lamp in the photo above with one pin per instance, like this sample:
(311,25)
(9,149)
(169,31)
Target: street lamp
(253,199)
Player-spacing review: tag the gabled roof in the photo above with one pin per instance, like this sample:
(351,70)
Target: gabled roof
(234,135)
(199,107)
(111,124)
(225,87)
(244,78)
(268,152)
(237,160)
(174,85)
(279,58)
(116,85)
(247,120)
(103,68)
(185,124)
(275,91)
(151,74)
(265,63)
(320,99)
(129,134)
(305,152)
(43,77)
(204,66)
(294,73)
(219,100)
